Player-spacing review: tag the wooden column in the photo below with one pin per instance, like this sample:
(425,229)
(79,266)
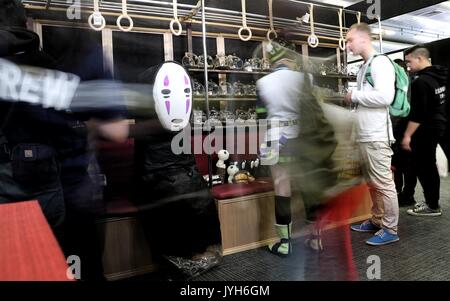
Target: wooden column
(220,42)
(168,46)
(37,28)
(108,53)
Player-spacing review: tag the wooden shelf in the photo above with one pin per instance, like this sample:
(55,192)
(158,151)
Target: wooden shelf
(224,98)
(334,98)
(341,76)
(230,71)
(197,126)
(332,75)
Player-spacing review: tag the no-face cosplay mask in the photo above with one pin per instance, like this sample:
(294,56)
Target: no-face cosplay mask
(172,93)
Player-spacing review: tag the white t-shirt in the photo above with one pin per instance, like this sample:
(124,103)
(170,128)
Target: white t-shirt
(373,120)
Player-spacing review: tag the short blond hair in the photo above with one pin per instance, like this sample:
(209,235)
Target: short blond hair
(362,27)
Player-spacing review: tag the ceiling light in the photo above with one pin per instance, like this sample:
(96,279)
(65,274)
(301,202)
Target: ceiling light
(388,32)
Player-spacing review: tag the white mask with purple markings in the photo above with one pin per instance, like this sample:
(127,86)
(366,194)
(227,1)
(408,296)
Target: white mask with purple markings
(172,93)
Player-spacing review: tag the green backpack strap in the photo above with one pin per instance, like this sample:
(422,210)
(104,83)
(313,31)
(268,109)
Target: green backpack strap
(368,74)
(400,105)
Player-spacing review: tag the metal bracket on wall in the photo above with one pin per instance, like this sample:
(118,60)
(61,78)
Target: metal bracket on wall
(193,12)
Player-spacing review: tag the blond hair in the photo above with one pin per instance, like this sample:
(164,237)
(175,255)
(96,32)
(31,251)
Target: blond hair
(362,27)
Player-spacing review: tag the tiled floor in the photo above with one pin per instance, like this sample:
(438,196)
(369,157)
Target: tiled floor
(423,253)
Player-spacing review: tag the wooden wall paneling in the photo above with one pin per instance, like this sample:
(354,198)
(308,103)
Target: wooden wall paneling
(264,45)
(305,50)
(246,222)
(127,252)
(37,28)
(107,47)
(168,46)
(220,42)
(338,62)
(189,37)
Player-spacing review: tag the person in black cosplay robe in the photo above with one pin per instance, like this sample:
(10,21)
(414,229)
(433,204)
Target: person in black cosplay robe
(182,223)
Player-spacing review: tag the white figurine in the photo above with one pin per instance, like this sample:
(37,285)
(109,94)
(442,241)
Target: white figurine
(243,164)
(256,163)
(223,156)
(221,167)
(232,170)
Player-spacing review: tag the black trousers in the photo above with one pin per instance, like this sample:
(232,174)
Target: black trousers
(404,176)
(49,196)
(423,145)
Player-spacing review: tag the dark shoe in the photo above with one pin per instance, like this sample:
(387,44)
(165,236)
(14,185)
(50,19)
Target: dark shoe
(405,200)
(424,210)
(198,264)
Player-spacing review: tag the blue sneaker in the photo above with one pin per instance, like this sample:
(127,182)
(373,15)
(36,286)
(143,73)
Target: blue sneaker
(382,237)
(366,226)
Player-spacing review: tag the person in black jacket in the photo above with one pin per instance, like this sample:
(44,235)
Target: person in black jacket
(29,169)
(45,152)
(426,126)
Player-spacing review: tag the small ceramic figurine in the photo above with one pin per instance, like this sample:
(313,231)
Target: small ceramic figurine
(221,167)
(232,170)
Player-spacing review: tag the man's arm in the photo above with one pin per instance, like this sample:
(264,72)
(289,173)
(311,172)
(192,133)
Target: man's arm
(418,109)
(116,131)
(382,95)
(410,130)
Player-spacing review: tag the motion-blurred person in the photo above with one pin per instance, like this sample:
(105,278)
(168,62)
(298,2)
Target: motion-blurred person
(404,176)
(29,164)
(278,96)
(81,176)
(51,158)
(426,126)
(374,134)
(285,99)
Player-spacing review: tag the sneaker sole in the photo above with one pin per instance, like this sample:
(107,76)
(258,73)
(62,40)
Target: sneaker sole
(424,214)
(383,243)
